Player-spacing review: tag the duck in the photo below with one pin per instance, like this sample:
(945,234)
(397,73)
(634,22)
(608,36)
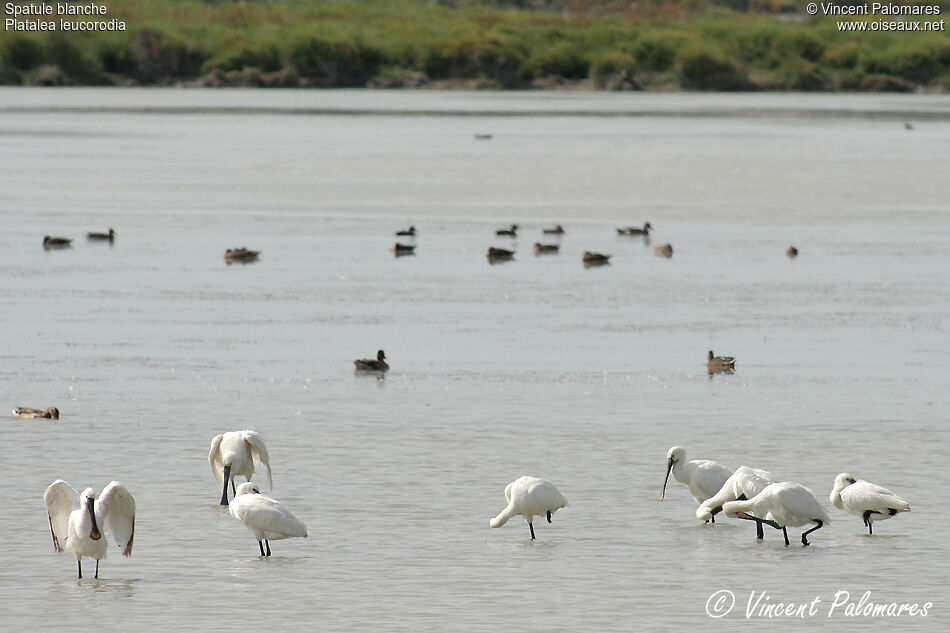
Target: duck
(411,231)
(370,364)
(404,249)
(499,254)
(792,252)
(512,232)
(720,364)
(633,230)
(664,250)
(101,236)
(56,242)
(26,412)
(557,229)
(482,137)
(541,249)
(595,259)
(242,255)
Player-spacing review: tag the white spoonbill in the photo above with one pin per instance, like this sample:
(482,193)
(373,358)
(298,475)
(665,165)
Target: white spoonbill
(866,500)
(530,496)
(743,484)
(77,520)
(789,503)
(267,518)
(234,453)
(703,477)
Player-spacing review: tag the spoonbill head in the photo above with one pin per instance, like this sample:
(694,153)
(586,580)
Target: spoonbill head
(866,500)
(790,505)
(703,477)
(78,520)
(267,518)
(234,453)
(530,497)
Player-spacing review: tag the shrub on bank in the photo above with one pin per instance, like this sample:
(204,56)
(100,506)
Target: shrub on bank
(704,68)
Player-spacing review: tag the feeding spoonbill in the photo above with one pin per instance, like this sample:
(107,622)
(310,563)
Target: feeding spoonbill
(234,453)
(267,518)
(743,484)
(77,520)
(866,500)
(703,477)
(530,496)
(790,505)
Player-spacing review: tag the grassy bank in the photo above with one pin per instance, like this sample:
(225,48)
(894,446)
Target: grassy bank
(415,43)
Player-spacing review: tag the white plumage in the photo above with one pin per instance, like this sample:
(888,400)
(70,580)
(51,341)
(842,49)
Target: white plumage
(743,484)
(703,477)
(234,453)
(530,497)
(78,520)
(267,518)
(866,500)
(790,505)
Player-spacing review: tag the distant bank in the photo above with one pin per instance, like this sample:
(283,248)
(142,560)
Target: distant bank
(473,44)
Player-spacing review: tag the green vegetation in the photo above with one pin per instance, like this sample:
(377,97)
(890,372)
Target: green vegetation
(693,44)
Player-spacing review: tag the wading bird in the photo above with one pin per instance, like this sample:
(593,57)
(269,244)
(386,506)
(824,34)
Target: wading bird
(78,520)
(234,453)
(267,518)
(866,500)
(790,505)
(743,484)
(530,497)
(703,477)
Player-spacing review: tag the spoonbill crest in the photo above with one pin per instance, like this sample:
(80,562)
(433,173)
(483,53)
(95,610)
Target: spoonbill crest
(234,453)
(530,497)
(866,500)
(743,484)
(77,520)
(703,477)
(789,503)
(267,518)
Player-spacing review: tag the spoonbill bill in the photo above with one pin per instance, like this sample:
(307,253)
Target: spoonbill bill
(790,505)
(267,518)
(866,500)
(77,520)
(743,484)
(703,477)
(530,497)
(234,453)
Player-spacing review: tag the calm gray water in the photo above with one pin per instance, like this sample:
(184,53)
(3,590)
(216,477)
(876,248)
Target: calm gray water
(538,366)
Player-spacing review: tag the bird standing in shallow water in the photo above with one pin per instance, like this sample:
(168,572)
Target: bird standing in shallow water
(743,484)
(530,497)
(703,477)
(78,520)
(866,500)
(267,518)
(790,505)
(370,364)
(234,453)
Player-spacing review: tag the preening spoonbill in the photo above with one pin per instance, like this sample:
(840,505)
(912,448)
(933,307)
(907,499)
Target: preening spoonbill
(372,364)
(866,500)
(234,453)
(789,503)
(743,484)
(530,497)
(267,518)
(77,520)
(26,412)
(703,477)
